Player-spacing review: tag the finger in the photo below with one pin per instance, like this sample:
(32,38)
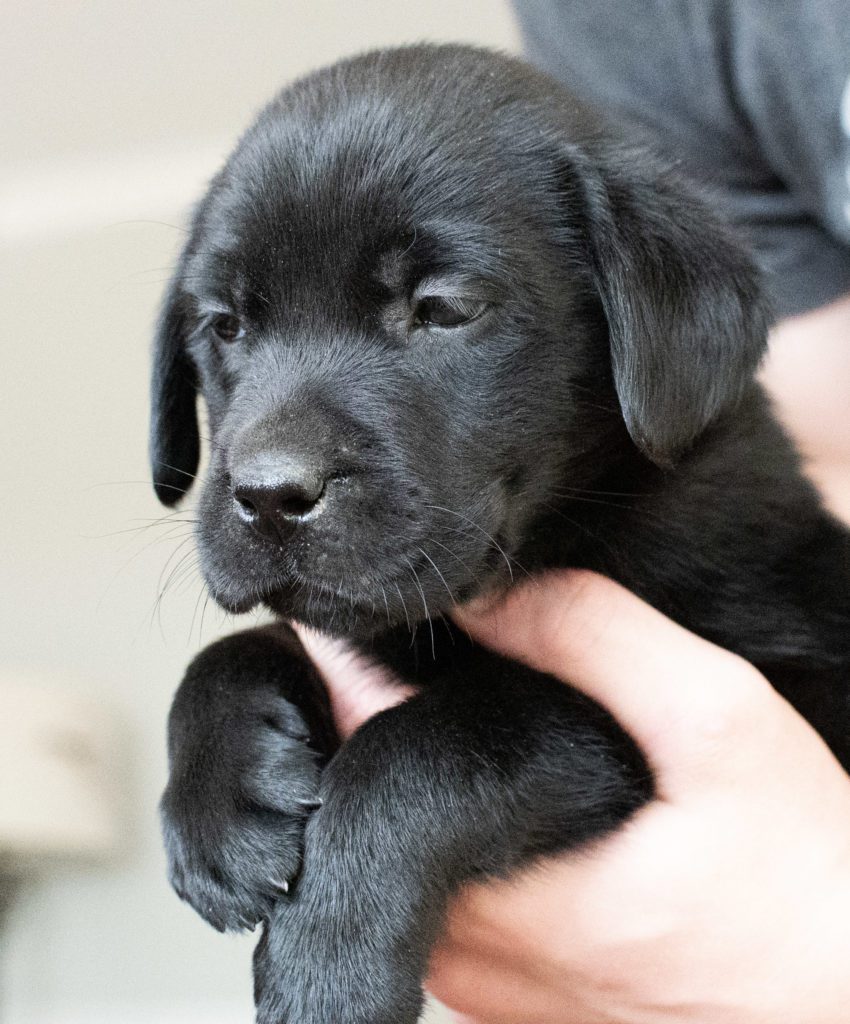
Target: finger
(357,689)
(478,990)
(683,700)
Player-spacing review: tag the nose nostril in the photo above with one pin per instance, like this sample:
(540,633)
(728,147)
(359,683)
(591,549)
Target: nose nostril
(297,505)
(245,504)
(277,505)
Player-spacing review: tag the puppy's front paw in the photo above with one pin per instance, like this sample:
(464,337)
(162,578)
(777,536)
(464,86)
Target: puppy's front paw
(351,945)
(320,961)
(244,779)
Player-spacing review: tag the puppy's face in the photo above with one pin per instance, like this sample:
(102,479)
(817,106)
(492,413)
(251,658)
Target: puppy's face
(399,301)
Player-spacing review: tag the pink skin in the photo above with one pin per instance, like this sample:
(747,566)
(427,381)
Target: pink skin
(808,372)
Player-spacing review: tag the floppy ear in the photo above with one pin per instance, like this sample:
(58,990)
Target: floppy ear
(687,318)
(174,443)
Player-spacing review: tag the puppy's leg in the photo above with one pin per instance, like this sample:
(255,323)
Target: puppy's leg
(463,781)
(249,730)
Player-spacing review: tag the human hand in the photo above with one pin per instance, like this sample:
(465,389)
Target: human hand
(725,900)
(807,367)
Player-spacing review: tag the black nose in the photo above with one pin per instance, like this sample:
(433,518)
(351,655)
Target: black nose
(274,496)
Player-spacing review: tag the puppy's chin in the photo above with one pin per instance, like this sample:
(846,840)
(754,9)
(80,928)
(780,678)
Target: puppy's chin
(357,615)
(332,614)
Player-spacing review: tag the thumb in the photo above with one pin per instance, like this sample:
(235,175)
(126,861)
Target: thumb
(682,699)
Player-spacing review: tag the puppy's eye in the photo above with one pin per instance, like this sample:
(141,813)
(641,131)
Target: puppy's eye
(446,311)
(227,327)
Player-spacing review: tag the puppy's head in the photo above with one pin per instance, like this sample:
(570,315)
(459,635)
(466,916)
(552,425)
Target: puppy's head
(425,292)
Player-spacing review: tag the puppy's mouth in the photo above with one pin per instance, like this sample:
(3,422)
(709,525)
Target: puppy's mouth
(357,608)
(364,566)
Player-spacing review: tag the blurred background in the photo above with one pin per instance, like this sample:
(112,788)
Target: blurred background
(114,117)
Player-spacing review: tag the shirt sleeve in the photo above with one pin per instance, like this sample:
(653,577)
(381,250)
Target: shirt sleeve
(753,96)
(790,68)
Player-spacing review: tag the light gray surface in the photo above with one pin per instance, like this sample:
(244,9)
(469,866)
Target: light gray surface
(121,113)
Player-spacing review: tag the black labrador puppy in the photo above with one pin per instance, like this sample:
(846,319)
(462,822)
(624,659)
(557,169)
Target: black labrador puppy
(449,330)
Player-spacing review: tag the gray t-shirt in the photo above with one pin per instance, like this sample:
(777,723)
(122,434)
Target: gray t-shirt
(752,95)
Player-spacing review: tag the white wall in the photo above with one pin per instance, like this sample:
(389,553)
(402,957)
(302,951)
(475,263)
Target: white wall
(113,117)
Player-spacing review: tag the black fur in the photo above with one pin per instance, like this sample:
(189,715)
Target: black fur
(594,407)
